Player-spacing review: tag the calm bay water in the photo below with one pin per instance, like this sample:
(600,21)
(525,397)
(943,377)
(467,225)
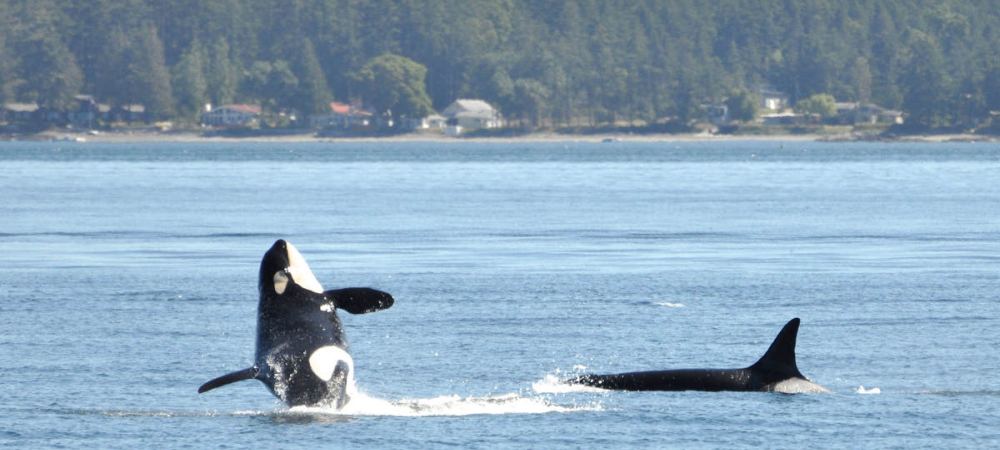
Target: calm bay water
(129,278)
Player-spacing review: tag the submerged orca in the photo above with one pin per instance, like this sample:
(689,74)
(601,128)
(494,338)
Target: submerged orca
(301,349)
(776,371)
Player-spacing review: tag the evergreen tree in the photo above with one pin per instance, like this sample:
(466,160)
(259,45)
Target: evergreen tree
(108,78)
(928,93)
(532,98)
(272,84)
(189,81)
(314,93)
(222,75)
(862,80)
(54,78)
(991,88)
(885,59)
(148,78)
(48,68)
(742,105)
(7,67)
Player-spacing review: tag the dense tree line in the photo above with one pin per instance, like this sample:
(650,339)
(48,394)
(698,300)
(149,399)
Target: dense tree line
(542,62)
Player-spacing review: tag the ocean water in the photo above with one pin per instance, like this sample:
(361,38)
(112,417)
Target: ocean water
(128,278)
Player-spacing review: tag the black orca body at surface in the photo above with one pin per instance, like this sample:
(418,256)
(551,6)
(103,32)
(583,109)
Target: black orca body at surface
(776,371)
(302,354)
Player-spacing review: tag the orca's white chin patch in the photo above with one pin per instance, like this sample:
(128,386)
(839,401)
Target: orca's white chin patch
(300,271)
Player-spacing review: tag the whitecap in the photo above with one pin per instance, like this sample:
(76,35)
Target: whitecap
(670,305)
(871,391)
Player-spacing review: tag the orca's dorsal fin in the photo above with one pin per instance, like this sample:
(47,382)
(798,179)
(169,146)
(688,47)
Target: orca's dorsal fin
(360,300)
(239,375)
(780,356)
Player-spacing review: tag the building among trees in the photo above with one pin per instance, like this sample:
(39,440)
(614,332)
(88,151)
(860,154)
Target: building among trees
(472,114)
(232,116)
(342,116)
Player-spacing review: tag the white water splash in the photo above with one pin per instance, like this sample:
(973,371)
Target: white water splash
(552,384)
(872,391)
(448,405)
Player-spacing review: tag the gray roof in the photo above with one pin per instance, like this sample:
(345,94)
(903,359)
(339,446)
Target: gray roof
(21,107)
(479,107)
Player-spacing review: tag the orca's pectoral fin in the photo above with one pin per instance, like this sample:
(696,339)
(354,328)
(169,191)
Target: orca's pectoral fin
(240,375)
(360,300)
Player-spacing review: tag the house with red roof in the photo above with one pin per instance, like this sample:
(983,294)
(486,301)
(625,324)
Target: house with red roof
(342,116)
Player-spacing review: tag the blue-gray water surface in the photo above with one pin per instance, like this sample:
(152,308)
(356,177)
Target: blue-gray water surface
(128,278)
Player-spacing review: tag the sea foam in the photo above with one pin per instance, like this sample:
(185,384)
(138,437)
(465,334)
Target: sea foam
(447,405)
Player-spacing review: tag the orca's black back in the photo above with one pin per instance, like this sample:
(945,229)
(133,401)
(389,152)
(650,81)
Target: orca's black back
(672,380)
(777,364)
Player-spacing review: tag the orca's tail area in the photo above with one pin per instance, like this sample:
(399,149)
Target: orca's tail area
(360,300)
(780,356)
(239,375)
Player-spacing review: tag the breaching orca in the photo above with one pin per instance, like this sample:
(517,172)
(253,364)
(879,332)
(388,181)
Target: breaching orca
(776,371)
(301,352)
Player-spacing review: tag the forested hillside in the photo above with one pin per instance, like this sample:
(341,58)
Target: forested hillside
(545,61)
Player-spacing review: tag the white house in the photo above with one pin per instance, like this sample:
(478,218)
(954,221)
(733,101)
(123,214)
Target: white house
(232,116)
(771,99)
(472,114)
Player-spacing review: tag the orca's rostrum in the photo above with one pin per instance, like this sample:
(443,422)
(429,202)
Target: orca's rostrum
(776,371)
(302,354)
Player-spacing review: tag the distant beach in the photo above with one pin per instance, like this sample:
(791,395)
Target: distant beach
(184,136)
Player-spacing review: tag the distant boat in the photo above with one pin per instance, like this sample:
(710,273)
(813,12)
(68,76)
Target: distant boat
(611,139)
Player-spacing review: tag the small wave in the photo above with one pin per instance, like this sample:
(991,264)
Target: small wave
(448,405)
(129,413)
(670,305)
(960,393)
(870,391)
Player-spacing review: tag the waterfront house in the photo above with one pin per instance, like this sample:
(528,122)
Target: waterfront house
(716,113)
(342,116)
(771,99)
(470,114)
(850,113)
(19,112)
(431,122)
(436,121)
(232,116)
(87,112)
(134,112)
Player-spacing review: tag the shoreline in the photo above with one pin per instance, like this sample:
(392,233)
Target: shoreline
(148,136)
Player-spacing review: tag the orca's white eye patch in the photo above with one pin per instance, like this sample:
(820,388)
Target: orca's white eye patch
(280,282)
